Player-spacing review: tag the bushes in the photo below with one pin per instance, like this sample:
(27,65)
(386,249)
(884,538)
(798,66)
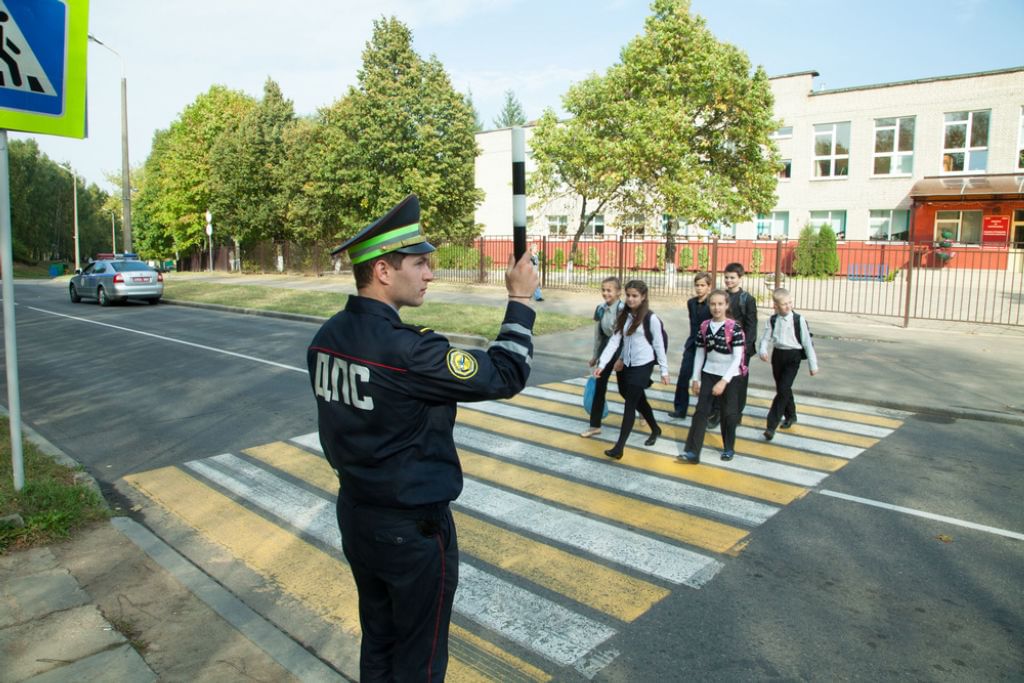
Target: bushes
(816,252)
(459,256)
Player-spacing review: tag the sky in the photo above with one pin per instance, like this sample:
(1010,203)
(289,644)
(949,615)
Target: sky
(174,51)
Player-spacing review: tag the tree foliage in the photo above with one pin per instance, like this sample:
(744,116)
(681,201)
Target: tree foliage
(42,208)
(247,164)
(178,179)
(403,128)
(511,113)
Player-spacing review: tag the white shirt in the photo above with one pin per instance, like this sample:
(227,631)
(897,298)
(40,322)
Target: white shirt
(636,350)
(784,337)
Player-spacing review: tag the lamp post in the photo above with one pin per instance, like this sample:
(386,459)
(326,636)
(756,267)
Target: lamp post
(113,235)
(74,203)
(209,235)
(126,190)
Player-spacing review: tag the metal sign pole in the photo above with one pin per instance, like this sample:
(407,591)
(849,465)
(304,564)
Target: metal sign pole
(10,335)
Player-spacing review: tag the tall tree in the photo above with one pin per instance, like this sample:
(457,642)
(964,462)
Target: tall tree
(246,163)
(179,183)
(581,156)
(511,113)
(403,128)
(699,122)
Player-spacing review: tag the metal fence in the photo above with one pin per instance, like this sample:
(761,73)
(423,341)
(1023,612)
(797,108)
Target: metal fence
(901,280)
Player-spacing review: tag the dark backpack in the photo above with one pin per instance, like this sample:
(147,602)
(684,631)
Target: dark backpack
(796,328)
(650,335)
(730,325)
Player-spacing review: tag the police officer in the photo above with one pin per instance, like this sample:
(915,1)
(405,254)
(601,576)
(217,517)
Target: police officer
(386,396)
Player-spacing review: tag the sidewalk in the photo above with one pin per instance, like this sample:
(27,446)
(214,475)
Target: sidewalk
(943,368)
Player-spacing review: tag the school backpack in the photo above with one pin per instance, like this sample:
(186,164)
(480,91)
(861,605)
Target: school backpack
(650,335)
(730,325)
(796,328)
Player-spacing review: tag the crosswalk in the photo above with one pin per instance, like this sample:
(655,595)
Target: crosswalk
(561,547)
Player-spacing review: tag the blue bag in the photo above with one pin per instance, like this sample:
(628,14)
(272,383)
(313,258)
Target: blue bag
(588,396)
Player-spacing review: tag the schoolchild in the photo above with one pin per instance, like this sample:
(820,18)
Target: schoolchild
(718,364)
(697,307)
(605,316)
(639,338)
(787,334)
(742,309)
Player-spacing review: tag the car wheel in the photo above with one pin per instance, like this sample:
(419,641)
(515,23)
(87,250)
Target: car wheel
(153,302)
(74,294)
(101,294)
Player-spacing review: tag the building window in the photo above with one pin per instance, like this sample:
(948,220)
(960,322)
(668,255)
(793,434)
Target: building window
(965,143)
(889,225)
(965,226)
(558,225)
(836,219)
(894,146)
(831,150)
(633,225)
(774,224)
(786,172)
(595,226)
(782,133)
(1020,141)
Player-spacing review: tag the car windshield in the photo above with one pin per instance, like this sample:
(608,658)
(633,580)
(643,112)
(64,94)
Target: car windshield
(130,266)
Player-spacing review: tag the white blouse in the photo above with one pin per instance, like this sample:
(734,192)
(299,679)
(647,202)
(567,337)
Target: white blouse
(636,350)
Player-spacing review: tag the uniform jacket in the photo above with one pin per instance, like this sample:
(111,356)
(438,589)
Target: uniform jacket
(743,309)
(699,312)
(386,396)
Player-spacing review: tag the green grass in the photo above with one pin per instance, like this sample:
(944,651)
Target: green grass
(40,271)
(449,318)
(51,503)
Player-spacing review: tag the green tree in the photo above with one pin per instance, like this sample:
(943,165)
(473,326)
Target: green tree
(826,252)
(580,157)
(696,120)
(511,113)
(247,162)
(178,180)
(803,256)
(403,128)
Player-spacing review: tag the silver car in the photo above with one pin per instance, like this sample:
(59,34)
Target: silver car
(110,280)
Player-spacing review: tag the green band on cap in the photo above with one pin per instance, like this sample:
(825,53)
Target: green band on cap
(389,241)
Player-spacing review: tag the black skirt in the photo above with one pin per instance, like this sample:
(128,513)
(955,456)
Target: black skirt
(639,375)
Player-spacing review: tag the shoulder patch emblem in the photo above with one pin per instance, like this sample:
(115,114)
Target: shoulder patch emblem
(461,364)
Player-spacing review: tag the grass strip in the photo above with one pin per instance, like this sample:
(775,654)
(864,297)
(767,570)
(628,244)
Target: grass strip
(52,503)
(451,318)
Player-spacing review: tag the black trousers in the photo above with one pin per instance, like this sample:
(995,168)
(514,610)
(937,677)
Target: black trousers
(632,383)
(741,382)
(681,400)
(600,391)
(728,403)
(406,568)
(785,366)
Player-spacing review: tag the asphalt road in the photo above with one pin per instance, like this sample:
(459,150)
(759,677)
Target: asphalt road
(827,589)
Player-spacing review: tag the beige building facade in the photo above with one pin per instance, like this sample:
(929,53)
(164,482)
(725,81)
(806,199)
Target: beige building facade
(866,160)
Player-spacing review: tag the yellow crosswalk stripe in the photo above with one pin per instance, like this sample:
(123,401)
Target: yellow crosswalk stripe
(790,456)
(579,579)
(798,429)
(284,559)
(290,563)
(715,477)
(674,524)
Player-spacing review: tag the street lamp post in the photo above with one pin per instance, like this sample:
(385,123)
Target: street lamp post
(126,190)
(113,235)
(209,235)
(74,203)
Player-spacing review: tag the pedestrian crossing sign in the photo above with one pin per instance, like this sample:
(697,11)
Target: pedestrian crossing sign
(43,48)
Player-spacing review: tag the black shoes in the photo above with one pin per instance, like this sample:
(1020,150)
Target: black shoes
(713,419)
(727,455)
(688,457)
(769,434)
(677,414)
(653,438)
(614,453)
(787,422)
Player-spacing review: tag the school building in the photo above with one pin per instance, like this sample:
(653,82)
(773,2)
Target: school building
(928,160)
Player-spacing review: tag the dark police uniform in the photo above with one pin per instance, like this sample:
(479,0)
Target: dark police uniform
(386,396)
